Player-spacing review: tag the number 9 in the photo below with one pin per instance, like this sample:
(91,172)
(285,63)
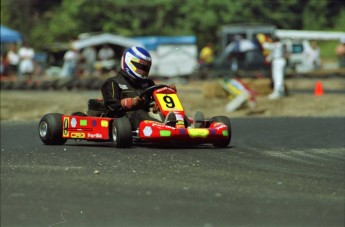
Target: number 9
(169,101)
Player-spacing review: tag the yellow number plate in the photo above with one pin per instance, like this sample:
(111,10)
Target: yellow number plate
(169,102)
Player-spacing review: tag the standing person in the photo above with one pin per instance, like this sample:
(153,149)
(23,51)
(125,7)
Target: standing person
(106,55)
(312,55)
(121,92)
(13,60)
(26,66)
(69,67)
(277,57)
(206,55)
(340,52)
(315,55)
(205,60)
(89,55)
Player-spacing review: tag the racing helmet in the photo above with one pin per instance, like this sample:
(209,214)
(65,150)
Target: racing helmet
(136,62)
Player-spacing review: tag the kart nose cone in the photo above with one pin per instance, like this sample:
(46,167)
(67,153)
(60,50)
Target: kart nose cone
(43,129)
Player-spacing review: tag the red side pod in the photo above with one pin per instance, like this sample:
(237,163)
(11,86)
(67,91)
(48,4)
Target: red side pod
(84,127)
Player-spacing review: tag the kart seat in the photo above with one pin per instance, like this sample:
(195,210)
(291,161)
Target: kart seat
(96,108)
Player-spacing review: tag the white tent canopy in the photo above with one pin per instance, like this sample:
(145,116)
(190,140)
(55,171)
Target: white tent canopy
(95,40)
(309,35)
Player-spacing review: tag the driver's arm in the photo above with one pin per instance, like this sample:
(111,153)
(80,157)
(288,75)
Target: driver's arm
(132,103)
(136,102)
(111,95)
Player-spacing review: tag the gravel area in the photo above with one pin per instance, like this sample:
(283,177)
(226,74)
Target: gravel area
(205,96)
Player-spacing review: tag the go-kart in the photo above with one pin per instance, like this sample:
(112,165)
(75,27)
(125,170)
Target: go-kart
(56,128)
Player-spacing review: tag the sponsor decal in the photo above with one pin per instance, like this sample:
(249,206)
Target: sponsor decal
(147,131)
(165,133)
(94,123)
(161,125)
(182,131)
(83,122)
(104,124)
(179,117)
(225,133)
(203,133)
(65,127)
(123,86)
(94,136)
(78,135)
(213,131)
(73,122)
(179,124)
(164,89)
(156,124)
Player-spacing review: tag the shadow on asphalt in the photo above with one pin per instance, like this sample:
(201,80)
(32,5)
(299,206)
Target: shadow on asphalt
(150,145)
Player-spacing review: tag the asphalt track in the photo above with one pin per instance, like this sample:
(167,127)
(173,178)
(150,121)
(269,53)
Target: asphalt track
(276,172)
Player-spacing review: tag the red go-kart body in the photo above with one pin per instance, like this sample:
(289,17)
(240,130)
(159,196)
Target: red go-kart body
(55,129)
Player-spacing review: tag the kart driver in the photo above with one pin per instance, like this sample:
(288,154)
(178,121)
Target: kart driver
(121,93)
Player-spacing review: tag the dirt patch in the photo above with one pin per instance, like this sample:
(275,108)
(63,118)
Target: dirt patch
(205,96)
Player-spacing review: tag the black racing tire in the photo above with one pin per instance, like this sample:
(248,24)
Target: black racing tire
(78,113)
(50,129)
(225,120)
(121,132)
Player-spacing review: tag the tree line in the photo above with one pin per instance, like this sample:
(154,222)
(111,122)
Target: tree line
(43,22)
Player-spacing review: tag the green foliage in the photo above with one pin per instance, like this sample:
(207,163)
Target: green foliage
(44,22)
(5,16)
(327,50)
(339,23)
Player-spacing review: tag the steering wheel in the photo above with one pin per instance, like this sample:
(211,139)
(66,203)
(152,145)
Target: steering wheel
(147,93)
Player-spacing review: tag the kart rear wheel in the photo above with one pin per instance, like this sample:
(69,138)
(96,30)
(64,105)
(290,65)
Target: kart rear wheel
(225,120)
(122,132)
(50,129)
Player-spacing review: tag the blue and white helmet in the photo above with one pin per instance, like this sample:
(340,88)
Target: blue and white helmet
(136,62)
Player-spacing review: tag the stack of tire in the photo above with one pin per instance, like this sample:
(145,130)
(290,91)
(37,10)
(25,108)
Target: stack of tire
(54,84)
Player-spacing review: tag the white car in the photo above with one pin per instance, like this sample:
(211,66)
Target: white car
(299,59)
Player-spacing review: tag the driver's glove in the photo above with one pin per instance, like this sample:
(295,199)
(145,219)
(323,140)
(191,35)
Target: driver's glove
(130,103)
(155,108)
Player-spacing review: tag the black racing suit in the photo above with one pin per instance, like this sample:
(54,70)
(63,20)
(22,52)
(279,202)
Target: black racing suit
(119,87)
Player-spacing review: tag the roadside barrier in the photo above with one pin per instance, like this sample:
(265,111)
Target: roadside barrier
(54,84)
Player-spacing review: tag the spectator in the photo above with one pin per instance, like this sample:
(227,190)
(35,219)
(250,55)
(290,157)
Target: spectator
(106,55)
(340,52)
(89,55)
(3,65)
(205,60)
(13,60)
(26,65)
(313,56)
(235,57)
(206,55)
(69,67)
(277,57)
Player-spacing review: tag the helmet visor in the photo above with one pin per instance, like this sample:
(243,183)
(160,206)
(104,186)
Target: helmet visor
(142,67)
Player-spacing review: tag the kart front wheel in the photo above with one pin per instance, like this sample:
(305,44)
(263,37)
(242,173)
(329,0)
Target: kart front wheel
(122,132)
(225,120)
(50,129)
